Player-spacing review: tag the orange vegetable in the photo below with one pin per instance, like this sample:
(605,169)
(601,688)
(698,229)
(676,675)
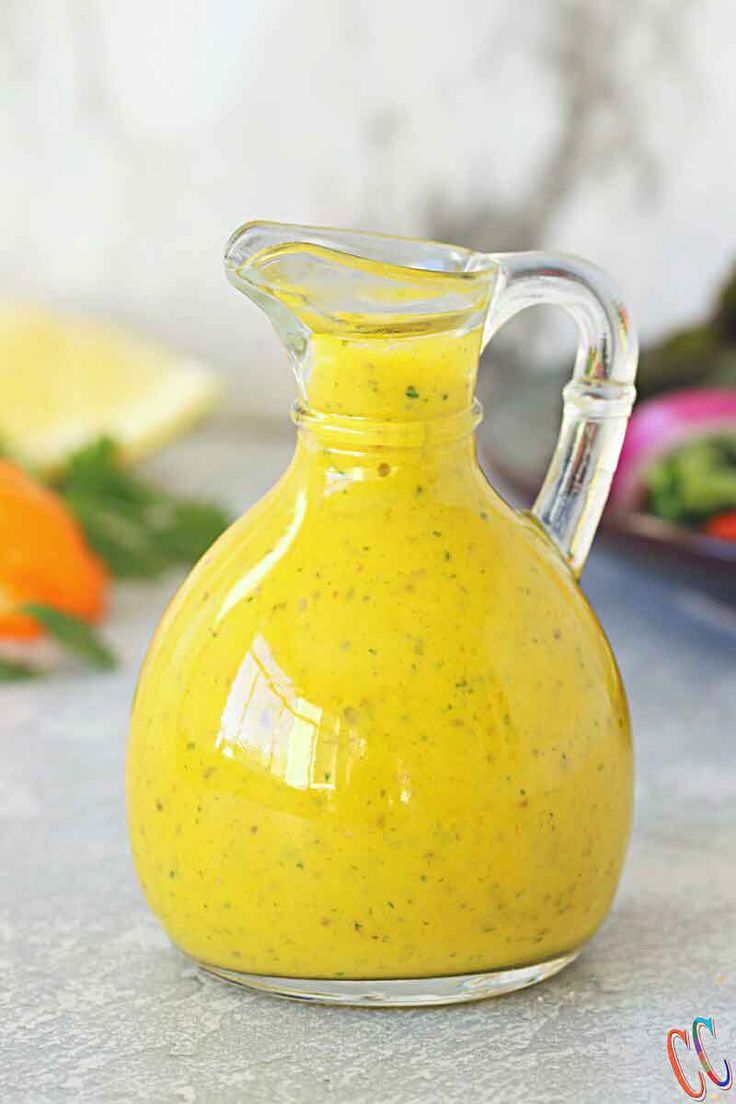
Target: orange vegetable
(723,526)
(43,556)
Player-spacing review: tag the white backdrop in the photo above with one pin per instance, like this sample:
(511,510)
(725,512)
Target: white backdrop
(138,135)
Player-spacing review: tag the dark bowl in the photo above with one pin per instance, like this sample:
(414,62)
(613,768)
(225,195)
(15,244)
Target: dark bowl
(515,444)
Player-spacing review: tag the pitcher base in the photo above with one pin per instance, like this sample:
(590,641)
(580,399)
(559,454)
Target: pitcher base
(398,993)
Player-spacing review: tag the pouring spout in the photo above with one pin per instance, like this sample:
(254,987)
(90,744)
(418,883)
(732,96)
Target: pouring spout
(376,327)
(356,282)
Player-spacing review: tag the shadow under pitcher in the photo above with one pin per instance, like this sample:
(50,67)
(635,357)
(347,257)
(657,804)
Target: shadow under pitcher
(380,750)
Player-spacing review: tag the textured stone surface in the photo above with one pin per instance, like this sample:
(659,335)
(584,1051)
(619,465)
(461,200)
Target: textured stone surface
(96,1006)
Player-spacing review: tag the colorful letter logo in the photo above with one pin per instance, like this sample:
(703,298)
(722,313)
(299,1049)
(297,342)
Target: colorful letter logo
(699,1024)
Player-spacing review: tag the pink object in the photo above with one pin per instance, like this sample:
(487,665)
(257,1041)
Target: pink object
(658,425)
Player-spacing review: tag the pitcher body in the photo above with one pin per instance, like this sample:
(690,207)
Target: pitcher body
(380,750)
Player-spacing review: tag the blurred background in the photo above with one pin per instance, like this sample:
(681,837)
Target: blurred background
(137,136)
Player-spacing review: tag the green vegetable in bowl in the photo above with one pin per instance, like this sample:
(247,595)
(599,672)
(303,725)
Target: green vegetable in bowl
(695,481)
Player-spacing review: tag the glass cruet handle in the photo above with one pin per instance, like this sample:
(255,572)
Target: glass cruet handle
(597,400)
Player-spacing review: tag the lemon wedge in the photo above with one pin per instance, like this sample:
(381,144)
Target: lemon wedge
(64,382)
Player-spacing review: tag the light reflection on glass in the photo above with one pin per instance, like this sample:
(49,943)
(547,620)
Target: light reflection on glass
(264,717)
(337,480)
(247,584)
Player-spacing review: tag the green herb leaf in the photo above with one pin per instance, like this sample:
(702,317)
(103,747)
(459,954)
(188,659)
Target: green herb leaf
(72,633)
(136,528)
(411,392)
(189,528)
(11,671)
(118,535)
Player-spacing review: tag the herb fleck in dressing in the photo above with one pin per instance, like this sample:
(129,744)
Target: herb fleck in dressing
(403,749)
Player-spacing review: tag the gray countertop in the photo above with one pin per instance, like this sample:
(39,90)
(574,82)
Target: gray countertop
(95,1005)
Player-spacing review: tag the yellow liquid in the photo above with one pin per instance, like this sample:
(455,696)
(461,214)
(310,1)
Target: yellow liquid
(379,732)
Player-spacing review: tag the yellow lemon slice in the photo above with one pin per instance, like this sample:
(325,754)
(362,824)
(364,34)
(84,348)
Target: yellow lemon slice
(64,382)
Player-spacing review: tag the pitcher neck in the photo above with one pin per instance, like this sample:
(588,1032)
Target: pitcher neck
(424,377)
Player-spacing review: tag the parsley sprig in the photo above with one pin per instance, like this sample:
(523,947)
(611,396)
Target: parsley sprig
(72,634)
(136,528)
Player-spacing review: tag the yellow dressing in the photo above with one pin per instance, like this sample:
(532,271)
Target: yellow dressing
(379,732)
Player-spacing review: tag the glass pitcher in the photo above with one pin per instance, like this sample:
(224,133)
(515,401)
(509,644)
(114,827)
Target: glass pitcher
(380,750)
